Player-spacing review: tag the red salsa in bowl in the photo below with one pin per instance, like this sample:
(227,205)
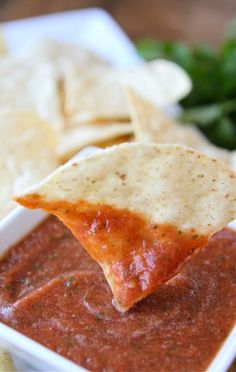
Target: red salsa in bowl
(53,292)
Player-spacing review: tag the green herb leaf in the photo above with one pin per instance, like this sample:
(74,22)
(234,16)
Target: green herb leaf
(223,133)
(26,282)
(204,116)
(70,282)
(212,103)
(147,48)
(99,315)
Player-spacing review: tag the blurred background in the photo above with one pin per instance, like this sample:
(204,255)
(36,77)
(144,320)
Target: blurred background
(187,20)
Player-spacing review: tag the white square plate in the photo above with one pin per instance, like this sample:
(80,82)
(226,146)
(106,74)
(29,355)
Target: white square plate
(92,28)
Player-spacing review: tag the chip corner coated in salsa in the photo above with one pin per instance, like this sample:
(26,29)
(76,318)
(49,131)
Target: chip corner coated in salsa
(58,295)
(137,258)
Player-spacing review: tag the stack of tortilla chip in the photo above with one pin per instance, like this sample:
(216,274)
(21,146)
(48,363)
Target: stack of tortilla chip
(57,98)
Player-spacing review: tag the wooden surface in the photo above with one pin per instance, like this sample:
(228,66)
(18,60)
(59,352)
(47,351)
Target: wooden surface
(190,20)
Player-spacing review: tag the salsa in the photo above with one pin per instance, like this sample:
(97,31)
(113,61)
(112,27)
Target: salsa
(53,292)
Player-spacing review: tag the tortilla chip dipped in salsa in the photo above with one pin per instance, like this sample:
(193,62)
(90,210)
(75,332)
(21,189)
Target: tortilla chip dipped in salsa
(140,210)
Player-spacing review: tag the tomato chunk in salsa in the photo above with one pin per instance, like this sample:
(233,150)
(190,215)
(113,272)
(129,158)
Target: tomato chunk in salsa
(56,294)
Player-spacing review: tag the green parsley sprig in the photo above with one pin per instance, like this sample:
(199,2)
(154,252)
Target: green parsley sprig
(211,105)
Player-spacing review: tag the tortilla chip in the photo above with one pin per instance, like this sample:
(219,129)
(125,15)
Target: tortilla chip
(160,82)
(233,160)
(94,96)
(27,149)
(73,140)
(152,125)
(62,55)
(99,94)
(117,141)
(140,210)
(28,85)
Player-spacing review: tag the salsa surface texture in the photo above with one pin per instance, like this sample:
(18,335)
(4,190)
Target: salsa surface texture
(52,291)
